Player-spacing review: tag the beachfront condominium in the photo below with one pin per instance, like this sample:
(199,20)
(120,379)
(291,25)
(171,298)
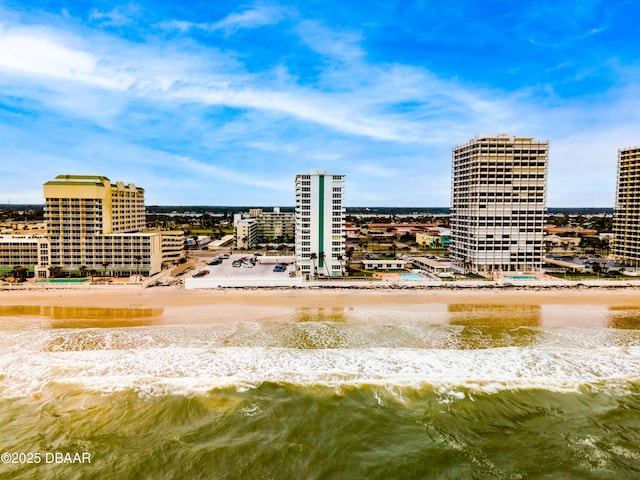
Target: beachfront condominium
(626,219)
(93,224)
(320,217)
(498,204)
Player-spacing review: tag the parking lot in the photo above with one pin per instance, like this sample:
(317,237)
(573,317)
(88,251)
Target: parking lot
(247,269)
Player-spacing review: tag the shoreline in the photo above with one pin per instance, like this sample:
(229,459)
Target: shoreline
(321,297)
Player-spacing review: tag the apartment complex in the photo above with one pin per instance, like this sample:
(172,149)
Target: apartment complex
(320,218)
(498,203)
(93,224)
(264,227)
(626,218)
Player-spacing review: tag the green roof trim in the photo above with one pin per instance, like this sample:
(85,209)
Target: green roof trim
(128,185)
(82,177)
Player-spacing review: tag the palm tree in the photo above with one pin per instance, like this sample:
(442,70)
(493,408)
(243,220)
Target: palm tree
(137,259)
(105,265)
(83,270)
(324,264)
(54,271)
(313,258)
(19,272)
(349,255)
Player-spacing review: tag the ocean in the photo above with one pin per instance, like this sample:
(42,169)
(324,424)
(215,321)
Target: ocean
(461,391)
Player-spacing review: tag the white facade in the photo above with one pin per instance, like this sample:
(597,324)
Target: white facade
(498,206)
(246,233)
(384,264)
(320,217)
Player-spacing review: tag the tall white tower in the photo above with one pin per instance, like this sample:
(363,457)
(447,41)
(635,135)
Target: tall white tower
(320,216)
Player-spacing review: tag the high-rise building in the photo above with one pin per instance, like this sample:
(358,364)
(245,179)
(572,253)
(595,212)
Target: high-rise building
(95,225)
(626,219)
(498,203)
(320,216)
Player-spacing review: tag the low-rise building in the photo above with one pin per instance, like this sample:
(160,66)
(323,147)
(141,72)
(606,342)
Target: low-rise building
(28,251)
(400,228)
(23,228)
(172,246)
(432,266)
(551,229)
(434,238)
(384,264)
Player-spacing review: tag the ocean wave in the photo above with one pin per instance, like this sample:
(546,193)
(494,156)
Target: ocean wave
(162,370)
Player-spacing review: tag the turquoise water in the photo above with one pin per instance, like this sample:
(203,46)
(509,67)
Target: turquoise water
(461,392)
(411,276)
(521,277)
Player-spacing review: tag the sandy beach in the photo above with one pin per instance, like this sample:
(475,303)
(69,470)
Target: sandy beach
(226,303)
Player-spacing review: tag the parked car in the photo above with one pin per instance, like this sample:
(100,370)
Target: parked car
(201,273)
(237,263)
(280,267)
(215,261)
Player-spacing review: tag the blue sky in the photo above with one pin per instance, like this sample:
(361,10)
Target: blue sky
(222,103)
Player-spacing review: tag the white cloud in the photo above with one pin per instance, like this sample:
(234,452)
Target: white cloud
(259,16)
(33,52)
(242,178)
(366,105)
(113,18)
(344,46)
(403,113)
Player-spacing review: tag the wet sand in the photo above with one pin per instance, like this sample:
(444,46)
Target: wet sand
(589,307)
(174,297)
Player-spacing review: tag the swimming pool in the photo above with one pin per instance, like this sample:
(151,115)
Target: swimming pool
(521,277)
(412,276)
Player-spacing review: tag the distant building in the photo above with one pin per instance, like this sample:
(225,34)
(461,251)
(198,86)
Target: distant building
(246,233)
(626,218)
(264,227)
(498,205)
(569,231)
(438,237)
(22,228)
(276,226)
(320,218)
(95,225)
(399,228)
